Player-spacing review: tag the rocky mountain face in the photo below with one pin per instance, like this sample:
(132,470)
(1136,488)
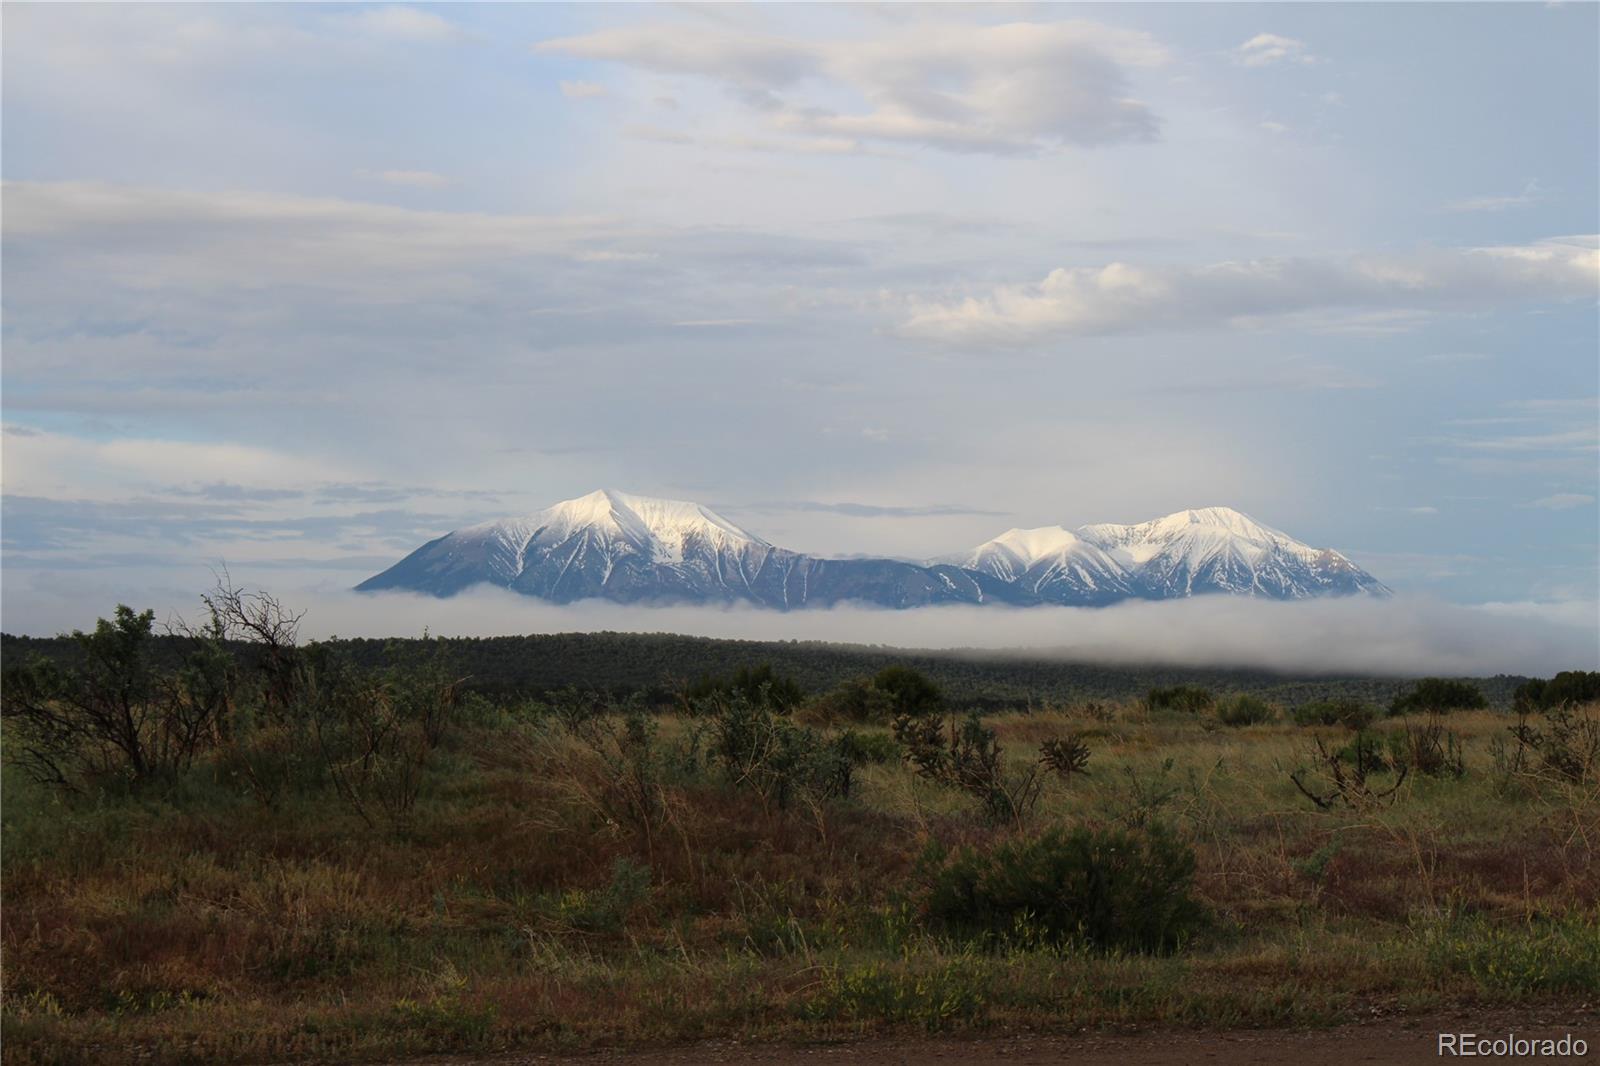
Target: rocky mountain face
(635,549)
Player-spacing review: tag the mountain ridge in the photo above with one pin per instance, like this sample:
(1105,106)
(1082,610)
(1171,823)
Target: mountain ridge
(627,548)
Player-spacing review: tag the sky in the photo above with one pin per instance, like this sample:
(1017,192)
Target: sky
(296,288)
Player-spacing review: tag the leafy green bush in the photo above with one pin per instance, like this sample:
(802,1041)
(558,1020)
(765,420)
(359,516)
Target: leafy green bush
(862,748)
(759,684)
(856,700)
(762,751)
(1440,695)
(909,692)
(1108,889)
(1245,709)
(1352,714)
(1366,752)
(1191,699)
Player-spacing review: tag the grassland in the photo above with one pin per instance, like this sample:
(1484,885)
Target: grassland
(569,878)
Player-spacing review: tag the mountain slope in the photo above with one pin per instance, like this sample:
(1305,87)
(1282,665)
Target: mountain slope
(635,549)
(1218,549)
(631,549)
(1053,564)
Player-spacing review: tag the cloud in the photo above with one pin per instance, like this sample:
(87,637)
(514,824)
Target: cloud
(865,510)
(1563,501)
(407,24)
(1008,89)
(1268,49)
(1531,194)
(1403,636)
(416,179)
(42,463)
(1122,297)
(582,90)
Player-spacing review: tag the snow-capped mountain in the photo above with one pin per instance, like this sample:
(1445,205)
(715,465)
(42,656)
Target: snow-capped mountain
(1212,549)
(1051,563)
(616,546)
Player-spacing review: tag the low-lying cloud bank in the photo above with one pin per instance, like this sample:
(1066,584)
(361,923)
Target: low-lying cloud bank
(1400,636)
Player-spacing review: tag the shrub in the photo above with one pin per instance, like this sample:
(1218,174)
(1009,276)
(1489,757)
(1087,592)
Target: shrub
(1352,714)
(1428,748)
(115,715)
(1245,709)
(862,748)
(909,692)
(780,761)
(1340,775)
(1065,756)
(1112,890)
(969,757)
(1191,699)
(758,684)
(1566,744)
(856,700)
(1440,695)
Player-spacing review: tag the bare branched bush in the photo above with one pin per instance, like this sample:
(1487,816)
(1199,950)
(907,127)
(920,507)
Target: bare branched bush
(1346,781)
(968,756)
(1429,748)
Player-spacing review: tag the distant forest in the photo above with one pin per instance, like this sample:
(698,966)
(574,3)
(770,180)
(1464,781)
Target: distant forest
(659,665)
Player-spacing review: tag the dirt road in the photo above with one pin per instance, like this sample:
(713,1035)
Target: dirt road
(1381,1041)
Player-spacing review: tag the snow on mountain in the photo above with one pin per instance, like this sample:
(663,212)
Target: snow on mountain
(1052,563)
(628,548)
(1218,549)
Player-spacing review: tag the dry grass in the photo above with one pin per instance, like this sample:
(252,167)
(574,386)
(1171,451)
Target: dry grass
(521,910)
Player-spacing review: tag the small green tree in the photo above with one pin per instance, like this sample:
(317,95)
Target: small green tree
(114,714)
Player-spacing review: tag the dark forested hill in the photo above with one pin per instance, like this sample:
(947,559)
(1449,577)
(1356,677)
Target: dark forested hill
(659,663)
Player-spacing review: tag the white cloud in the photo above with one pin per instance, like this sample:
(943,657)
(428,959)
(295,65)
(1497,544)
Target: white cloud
(582,90)
(406,23)
(1121,297)
(415,179)
(1403,636)
(1563,501)
(1531,194)
(38,463)
(200,241)
(1005,89)
(1267,49)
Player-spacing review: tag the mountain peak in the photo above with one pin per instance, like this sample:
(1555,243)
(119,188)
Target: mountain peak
(627,548)
(664,524)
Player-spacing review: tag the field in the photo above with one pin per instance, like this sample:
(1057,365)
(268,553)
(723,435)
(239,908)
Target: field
(423,870)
